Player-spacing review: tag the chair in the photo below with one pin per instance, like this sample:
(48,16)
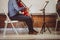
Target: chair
(6,24)
(57,20)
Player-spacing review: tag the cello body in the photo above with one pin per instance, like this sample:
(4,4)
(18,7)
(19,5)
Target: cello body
(25,11)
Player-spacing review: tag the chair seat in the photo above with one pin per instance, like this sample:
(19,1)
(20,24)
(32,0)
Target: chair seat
(13,21)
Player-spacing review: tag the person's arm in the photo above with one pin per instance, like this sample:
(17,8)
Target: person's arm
(16,6)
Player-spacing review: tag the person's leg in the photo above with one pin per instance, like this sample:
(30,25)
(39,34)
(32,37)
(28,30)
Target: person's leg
(58,11)
(27,19)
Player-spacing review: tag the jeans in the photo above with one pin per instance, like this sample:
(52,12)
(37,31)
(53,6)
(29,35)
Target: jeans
(27,19)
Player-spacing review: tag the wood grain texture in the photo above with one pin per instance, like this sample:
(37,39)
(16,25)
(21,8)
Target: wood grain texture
(37,21)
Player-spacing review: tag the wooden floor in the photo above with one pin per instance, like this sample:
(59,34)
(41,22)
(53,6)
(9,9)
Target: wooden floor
(23,35)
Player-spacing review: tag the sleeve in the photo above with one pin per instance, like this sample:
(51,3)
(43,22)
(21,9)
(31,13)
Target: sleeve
(16,6)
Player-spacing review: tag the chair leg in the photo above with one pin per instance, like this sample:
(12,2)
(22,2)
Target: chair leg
(4,33)
(14,28)
(56,26)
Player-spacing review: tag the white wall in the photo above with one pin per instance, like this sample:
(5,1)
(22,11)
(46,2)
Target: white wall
(3,5)
(36,5)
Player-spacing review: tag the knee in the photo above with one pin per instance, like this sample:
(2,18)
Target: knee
(29,19)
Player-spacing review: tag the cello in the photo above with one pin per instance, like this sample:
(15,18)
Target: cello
(21,4)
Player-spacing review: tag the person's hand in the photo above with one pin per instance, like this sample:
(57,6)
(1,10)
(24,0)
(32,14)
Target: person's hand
(23,8)
(21,12)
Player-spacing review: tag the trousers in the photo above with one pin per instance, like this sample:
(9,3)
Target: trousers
(27,19)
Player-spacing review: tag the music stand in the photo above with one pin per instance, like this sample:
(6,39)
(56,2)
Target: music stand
(43,26)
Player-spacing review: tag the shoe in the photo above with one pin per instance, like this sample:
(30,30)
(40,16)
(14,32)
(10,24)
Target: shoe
(33,32)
